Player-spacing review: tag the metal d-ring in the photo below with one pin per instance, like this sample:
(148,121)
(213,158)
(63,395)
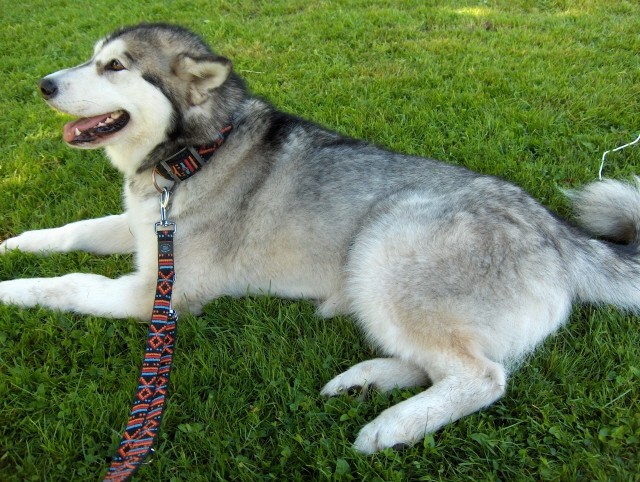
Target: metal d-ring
(158,188)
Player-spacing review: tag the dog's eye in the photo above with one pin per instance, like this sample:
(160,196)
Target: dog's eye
(115,65)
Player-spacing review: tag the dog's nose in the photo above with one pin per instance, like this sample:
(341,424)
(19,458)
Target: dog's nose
(48,88)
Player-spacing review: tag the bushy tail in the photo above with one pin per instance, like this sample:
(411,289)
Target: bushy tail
(609,209)
(609,271)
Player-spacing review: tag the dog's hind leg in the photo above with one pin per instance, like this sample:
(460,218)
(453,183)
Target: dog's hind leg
(463,382)
(107,235)
(382,373)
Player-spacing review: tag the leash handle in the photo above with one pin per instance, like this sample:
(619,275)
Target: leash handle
(149,402)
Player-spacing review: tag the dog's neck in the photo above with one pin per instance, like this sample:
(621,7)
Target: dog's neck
(127,158)
(150,153)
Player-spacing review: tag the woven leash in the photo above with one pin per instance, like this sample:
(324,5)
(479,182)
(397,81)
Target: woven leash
(149,403)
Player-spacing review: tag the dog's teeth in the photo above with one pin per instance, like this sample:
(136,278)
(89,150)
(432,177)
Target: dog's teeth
(108,120)
(115,115)
(101,124)
(77,132)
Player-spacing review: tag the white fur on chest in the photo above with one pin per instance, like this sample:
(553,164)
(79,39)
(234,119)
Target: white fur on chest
(142,214)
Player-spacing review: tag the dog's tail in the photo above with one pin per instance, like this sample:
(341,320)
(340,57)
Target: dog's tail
(607,270)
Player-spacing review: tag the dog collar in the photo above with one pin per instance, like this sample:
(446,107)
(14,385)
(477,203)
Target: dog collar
(189,160)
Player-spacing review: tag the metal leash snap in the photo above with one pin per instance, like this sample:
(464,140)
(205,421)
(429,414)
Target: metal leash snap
(164,202)
(164,224)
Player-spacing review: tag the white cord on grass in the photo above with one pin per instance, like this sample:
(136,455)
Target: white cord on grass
(614,150)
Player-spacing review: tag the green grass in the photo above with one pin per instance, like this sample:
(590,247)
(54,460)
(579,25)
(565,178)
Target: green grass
(533,91)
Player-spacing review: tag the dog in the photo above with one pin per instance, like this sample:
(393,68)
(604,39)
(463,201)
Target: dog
(454,275)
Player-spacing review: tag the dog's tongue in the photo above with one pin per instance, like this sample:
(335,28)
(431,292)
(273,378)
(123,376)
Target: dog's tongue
(82,125)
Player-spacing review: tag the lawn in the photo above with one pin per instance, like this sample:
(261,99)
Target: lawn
(532,91)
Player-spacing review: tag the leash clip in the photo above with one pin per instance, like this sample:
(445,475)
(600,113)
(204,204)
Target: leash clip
(164,224)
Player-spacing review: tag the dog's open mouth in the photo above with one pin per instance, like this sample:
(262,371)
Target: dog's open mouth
(89,130)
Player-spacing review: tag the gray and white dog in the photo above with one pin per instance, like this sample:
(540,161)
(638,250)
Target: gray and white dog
(453,274)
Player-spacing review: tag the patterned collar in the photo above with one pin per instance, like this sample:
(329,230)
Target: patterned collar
(189,160)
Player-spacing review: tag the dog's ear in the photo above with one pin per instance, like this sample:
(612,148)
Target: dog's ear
(204,74)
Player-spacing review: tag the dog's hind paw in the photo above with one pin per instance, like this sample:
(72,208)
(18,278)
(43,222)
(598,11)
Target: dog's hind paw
(386,431)
(383,373)
(340,385)
(373,438)
(335,387)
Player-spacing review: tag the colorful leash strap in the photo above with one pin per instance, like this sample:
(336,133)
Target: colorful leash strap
(149,403)
(189,160)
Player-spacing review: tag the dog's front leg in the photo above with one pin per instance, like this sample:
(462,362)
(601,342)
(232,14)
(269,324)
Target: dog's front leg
(107,235)
(91,294)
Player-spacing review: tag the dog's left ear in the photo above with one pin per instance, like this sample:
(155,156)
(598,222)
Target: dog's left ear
(203,74)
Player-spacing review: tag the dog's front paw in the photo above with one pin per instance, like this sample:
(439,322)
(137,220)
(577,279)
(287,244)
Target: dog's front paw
(19,292)
(38,241)
(10,244)
(5,246)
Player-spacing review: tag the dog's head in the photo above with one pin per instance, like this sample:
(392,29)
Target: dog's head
(147,89)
